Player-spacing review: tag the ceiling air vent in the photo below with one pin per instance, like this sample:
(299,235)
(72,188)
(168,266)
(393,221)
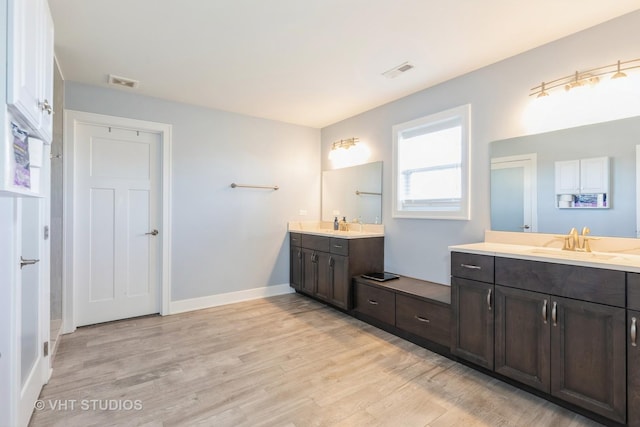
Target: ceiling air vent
(123,82)
(397,70)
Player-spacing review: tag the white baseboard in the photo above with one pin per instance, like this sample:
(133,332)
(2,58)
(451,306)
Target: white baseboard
(192,304)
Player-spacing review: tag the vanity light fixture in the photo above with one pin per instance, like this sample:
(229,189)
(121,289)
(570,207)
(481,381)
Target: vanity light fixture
(344,144)
(618,74)
(583,78)
(348,152)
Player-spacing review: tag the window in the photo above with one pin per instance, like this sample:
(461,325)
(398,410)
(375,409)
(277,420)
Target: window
(431,160)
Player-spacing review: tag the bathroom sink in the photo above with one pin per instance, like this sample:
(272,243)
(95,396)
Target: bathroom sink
(559,253)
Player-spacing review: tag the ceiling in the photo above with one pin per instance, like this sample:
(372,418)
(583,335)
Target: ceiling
(308,62)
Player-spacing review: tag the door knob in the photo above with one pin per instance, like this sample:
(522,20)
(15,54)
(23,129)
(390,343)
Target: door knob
(152,233)
(24,262)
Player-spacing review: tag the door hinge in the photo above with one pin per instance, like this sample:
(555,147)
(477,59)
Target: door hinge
(46,349)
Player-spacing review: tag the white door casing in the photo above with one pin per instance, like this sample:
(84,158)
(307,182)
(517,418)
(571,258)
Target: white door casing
(32,303)
(113,269)
(24,329)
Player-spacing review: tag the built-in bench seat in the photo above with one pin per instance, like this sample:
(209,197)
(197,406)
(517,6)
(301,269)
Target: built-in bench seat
(417,310)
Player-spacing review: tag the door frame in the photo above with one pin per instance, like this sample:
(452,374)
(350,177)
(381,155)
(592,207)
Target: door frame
(72,119)
(530,178)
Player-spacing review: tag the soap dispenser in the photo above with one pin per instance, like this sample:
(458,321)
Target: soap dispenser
(336,224)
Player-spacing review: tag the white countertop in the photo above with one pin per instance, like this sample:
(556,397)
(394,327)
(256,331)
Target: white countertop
(606,260)
(318,228)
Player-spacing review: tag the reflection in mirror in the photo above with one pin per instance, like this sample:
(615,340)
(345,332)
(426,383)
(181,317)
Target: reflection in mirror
(513,180)
(616,139)
(354,193)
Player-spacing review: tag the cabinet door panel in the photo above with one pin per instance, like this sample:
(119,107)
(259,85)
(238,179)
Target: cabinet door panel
(340,282)
(296,267)
(522,336)
(323,280)
(309,271)
(588,356)
(472,332)
(633,368)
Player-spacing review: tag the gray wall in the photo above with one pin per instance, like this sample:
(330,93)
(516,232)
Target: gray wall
(224,239)
(56,197)
(498,95)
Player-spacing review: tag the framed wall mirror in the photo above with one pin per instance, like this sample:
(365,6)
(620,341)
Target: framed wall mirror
(616,139)
(354,193)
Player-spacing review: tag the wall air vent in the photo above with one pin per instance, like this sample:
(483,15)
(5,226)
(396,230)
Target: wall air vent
(397,70)
(123,82)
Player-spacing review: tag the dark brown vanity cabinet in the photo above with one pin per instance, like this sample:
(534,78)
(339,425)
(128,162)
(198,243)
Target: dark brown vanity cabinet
(588,356)
(411,306)
(295,261)
(556,339)
(322,266)
(472,329)
(633,349)
(522,336)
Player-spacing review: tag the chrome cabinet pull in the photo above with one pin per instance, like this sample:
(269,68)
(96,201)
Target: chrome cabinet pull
(544,311)
(554,313)
(489,299)
(152,233)
(471,266)
(337,246)
(46,107)
(299,254)
(372,302)
(634,332)
(422,319)
(330,262)
(24,262)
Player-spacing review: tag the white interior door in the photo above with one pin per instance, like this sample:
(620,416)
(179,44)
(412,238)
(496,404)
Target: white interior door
(514,193)
(116,226)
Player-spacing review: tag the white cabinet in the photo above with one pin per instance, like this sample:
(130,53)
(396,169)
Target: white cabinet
(582,183)
(26,113)
(594,175)
(568,177)
(30,66)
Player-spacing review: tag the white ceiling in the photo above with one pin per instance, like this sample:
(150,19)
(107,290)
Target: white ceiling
(309,62)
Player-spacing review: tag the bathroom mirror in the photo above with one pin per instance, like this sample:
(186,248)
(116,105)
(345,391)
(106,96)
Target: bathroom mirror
(617,140)
(354,192)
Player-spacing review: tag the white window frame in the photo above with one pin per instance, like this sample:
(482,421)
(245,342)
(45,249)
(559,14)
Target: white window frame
(462,113)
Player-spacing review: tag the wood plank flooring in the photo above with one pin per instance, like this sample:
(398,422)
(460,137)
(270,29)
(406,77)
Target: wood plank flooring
(281,361)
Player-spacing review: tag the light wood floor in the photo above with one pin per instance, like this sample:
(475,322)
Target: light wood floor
(281,361)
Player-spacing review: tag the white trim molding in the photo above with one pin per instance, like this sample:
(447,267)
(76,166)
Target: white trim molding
(71,119)
(209,301)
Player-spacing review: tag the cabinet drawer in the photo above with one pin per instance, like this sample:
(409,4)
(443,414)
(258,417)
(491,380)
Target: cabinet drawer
(571,281)
(318,243)
(376,302)
(423,318)
(472,266)
(295,239)
(633,291)
(339,246)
